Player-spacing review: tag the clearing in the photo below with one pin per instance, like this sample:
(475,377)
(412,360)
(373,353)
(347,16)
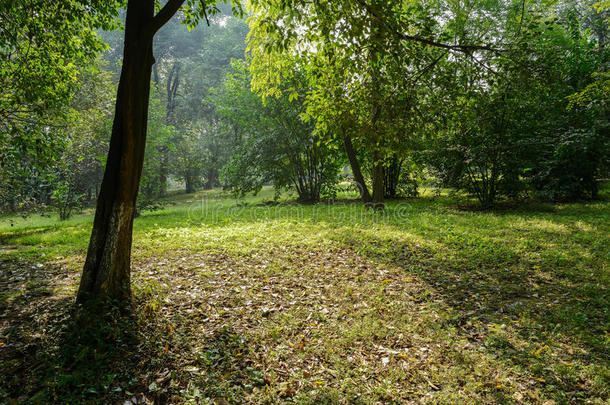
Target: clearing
(264,303)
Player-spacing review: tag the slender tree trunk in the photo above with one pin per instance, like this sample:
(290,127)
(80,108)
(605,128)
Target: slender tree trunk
(374,136)
(211,178)
(391,175)
(163,170)
(173,82)
(106,273)
(377,181)
(189,187)
(106,270)
(355,165)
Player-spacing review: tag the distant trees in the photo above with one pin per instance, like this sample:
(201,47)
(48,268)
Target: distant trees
(188,65)
(190,154)
(511,130)
(160,139)
(274,142)
(78,171)
(481,94)
(202,144)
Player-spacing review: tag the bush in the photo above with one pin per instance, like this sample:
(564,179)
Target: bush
(573,169)
(66,200)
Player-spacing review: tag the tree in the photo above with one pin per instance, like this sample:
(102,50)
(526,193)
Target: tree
(508,130)
(106,272)
(191,154)
(43,49)
(189,63)
(71,164)
(365,60)
(159,141)
(203,141)
(274,144)
(578,148)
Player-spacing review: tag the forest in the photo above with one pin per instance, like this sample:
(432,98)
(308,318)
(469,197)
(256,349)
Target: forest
(305,201)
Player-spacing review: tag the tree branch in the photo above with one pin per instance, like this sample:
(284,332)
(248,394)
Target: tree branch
(165,14)
(467,49)
(205,13)
(428,67)
(461,48)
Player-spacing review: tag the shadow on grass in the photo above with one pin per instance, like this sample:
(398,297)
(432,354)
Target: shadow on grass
(53,351)
(551,324)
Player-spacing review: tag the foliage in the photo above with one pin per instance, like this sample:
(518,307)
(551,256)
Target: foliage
(409,178)
(75,142)
(24,187)
(206,141)
(77,172)
(65,200)
(190,156)
(43,48)
(276,144)
(507,129)
(579,160)
(488,80)
(159,137)
(382,73)
(80,141)
(188,66)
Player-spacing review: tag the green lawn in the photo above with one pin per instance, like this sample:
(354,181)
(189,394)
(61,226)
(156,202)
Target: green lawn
(242,301)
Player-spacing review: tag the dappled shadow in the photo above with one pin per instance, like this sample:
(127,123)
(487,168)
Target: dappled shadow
(591,211)
(420,304)
(53,351)
(28,312)
(546,317)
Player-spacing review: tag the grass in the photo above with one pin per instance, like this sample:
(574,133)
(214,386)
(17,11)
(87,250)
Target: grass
(242,301)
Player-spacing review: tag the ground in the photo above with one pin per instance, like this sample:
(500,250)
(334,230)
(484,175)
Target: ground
(247,302)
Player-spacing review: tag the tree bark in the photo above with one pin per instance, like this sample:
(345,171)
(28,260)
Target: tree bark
(106,273)
(377,181)
(163,170)
(189,187)
(391,175)
(211,178)
(355,165)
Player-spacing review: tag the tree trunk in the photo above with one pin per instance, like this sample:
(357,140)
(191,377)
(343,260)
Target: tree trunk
(173,83)
(355,165)
(106,273)
(189,187)
(391,175)
(163,170)
(377,181)
(211,178)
